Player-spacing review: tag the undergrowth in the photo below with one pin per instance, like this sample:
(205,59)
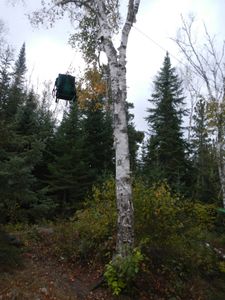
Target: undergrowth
(171,233)
(10,256)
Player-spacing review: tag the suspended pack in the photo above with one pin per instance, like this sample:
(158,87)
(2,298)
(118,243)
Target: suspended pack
(65,87)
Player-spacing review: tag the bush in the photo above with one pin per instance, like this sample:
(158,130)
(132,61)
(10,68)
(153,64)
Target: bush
(121,272)
(170,231)
(173,233)
(91,232)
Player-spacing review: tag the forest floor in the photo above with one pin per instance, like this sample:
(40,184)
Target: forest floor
(42,276)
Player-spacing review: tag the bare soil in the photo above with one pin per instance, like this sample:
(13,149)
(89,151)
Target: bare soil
(44,277)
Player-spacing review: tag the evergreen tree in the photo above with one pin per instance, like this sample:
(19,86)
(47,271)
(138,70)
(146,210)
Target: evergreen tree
(68,178)
(20,69)
(45,133)
(17,194)
(83,147)
(22,197)
(205,175)
(166,147)
(24,133)
(5,79)
(96,124)
(26,118)
(98,139)
(135,138)
(17,89)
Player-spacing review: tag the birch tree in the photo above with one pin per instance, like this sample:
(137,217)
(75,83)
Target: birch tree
(98,21)
(208,63)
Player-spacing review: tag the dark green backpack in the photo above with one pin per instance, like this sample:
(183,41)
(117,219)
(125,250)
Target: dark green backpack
(65,87)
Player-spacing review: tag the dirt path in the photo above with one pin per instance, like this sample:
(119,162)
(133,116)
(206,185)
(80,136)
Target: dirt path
(44,278)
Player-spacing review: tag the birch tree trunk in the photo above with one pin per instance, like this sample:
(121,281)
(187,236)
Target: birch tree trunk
(117,67)
(105,14)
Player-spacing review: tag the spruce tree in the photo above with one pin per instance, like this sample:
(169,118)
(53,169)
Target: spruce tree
(20,69)
(98,139)
(23,198)
(5,79)
(135,138)
(166,147)
(205,175)
(17,89)
(68,179)
(46,124)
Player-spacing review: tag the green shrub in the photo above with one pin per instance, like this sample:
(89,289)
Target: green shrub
(173,233)
(91,232)
(121,272)
(170,231)
(96,223)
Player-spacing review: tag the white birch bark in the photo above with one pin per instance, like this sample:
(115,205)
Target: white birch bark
(117,67)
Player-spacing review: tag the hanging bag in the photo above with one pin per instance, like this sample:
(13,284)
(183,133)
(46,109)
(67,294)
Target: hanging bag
(65,87)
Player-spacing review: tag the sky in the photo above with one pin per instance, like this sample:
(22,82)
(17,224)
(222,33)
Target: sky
(48,52)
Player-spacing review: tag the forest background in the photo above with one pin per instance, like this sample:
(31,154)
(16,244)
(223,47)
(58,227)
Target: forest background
(62,172)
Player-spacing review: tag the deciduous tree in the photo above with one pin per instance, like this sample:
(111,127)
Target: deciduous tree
(205,172)
(98,21)
(208,63)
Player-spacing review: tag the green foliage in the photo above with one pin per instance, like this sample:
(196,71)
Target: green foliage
(170,231)
(121,272)
(222,266)
(97,223)
(83,147)
(5,77)
(87,33)
(204,159)
(91,232)
(135,138)
(173,235)
(97,139)
(17,93)
(68,177)
(165,151)
(23,197)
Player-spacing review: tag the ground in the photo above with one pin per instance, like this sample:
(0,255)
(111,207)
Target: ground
(43,276)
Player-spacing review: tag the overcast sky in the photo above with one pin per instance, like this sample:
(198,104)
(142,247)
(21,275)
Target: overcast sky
(48,52)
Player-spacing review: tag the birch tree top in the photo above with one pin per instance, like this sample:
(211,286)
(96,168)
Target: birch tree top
(89,21)
(44,47)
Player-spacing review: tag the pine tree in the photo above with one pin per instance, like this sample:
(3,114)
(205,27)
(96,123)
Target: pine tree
(166,146)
